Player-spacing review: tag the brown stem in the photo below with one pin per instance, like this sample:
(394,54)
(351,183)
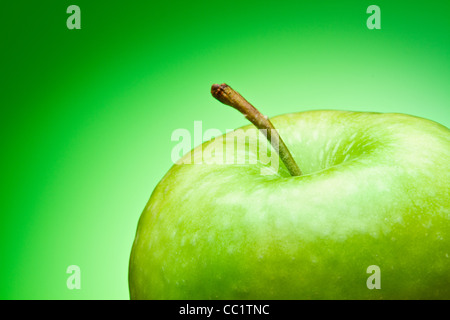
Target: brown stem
(225,94)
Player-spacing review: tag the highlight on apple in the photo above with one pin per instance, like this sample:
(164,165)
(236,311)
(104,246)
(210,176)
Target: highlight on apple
(237,147)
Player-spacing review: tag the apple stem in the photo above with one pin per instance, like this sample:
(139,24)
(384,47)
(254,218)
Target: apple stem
(225,94)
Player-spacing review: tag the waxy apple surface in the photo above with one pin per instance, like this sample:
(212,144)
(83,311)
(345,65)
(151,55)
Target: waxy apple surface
(374,191)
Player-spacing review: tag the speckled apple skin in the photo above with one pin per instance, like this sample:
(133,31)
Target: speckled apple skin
(375,191)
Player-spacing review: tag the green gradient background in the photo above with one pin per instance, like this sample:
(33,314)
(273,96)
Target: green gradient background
(87,115)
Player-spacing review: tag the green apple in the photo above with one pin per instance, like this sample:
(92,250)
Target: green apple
(374,194)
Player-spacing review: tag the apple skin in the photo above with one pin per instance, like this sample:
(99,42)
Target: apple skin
(375,191)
